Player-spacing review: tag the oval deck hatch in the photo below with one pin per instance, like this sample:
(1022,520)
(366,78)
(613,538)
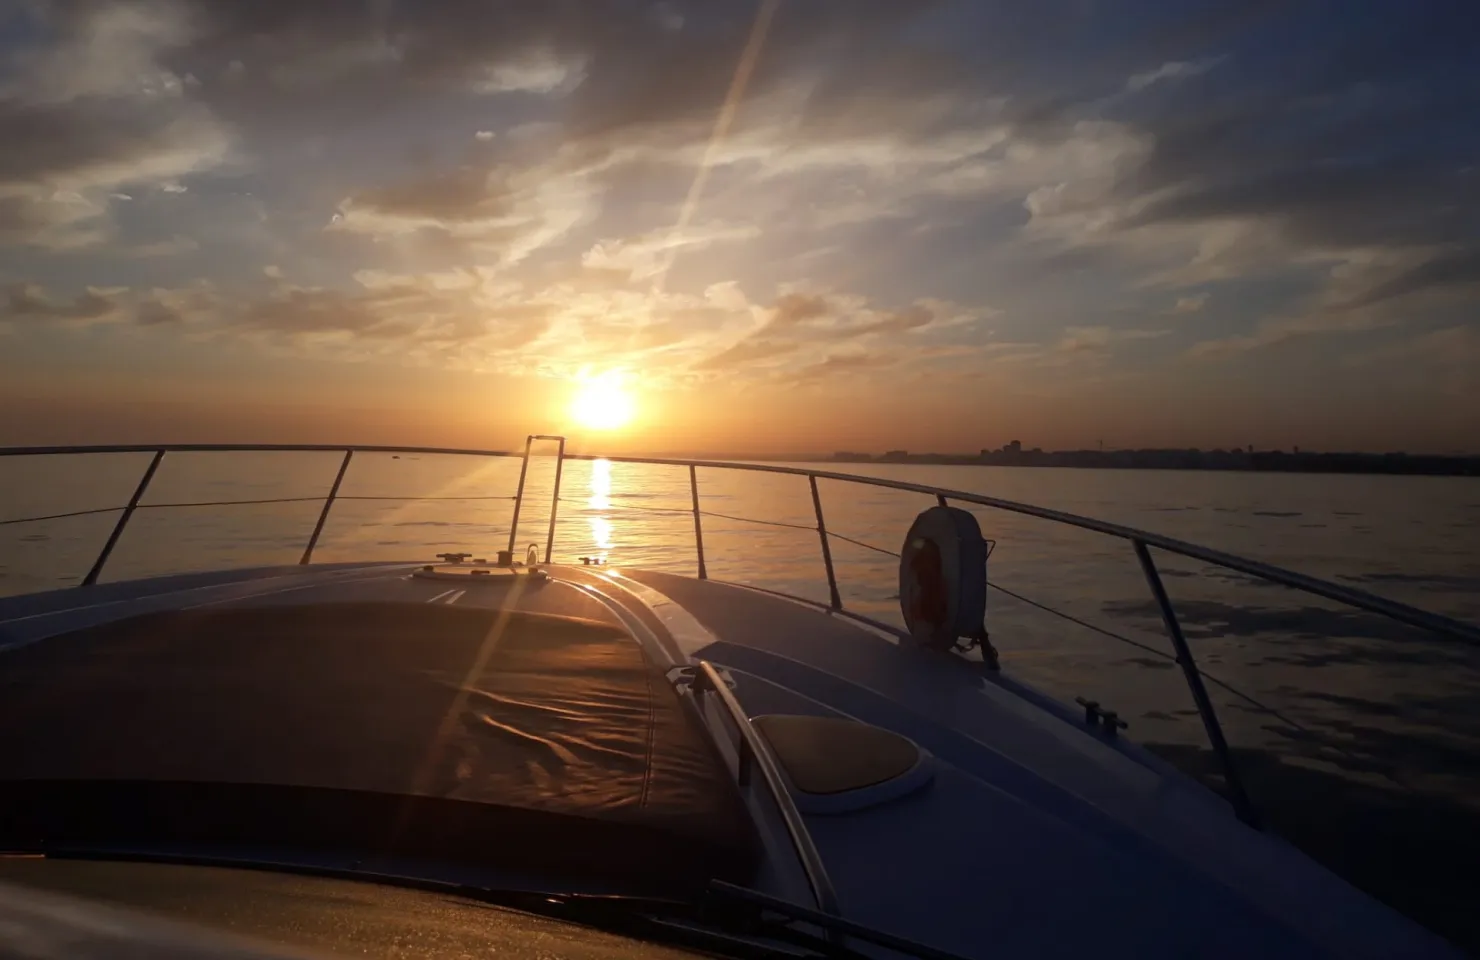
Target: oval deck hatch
(835,765)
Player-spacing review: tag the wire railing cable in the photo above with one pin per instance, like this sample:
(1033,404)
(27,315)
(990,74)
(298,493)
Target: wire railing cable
(227,503)
(685,511)
(764,523)
(60,516)
(1083,623)
(859,543)
(1210,678)
(405,499)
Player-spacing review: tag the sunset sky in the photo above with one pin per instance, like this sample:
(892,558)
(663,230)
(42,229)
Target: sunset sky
(803,225)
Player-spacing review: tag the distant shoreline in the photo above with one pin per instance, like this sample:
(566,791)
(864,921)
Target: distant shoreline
(1271,461)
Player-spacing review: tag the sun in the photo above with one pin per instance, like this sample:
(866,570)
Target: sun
(602,403)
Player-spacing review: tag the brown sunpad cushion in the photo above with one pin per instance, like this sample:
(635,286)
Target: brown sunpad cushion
(826,755)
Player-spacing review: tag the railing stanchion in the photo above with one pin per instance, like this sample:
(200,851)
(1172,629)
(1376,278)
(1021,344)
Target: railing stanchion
(698,526)
(318,528)
(519,495)
(554,499)
(940,500)
(128,511)
(832,579)
(1240,799)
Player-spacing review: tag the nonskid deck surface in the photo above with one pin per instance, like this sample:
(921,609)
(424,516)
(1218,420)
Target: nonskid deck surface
(1031,818)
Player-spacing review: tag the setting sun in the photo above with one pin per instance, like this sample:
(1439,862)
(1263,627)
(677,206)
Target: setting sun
(602,403)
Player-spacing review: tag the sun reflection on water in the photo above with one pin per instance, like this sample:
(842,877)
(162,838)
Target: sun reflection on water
(600,499)
(601,485)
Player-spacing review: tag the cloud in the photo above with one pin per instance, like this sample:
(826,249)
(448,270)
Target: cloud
(649,255)
(492,210)
(425,314)
(1277,330)
(1098,339)
(109,51)
(832,92)
(1342,155)
(116,307)
(1318,171)
(841,364)
(745,353)
(1186,305)
(1457,270)
(1171,70)
(31,214)
(30,303)
(798,337)
(172,247)
(93,113)
(468,195)
(913,317)
(793,309)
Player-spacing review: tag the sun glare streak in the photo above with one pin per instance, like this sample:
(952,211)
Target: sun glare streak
(471,482)
(436,749)
(727,110)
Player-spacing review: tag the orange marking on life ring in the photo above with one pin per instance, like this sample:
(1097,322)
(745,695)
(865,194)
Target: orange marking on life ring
(931,602)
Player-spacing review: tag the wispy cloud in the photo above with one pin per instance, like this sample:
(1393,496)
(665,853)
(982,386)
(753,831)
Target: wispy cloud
(1186,305)
(646,256)
(1171,70)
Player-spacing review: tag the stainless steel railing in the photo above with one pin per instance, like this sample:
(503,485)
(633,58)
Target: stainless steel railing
(1141,542)
(753,751)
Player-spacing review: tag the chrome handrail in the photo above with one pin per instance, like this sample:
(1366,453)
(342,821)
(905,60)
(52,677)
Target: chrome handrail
(251,448)
(1413,616)
(753,749)
(1140,540)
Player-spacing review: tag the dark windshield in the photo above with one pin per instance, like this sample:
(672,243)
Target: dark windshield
(323,915)
(410,731)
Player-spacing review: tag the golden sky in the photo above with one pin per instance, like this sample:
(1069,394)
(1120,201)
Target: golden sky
(769,227)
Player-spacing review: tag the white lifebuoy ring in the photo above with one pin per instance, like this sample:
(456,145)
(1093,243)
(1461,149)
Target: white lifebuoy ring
(943,577)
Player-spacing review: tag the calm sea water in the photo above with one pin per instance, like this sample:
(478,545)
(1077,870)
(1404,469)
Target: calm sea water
(1347,697)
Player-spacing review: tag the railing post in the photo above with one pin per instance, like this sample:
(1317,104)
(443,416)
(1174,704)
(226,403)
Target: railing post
(832,580)
(128,511)
(940,500)
(1240,799)
(318,528)
(698,527)
(519,495)
(554,499)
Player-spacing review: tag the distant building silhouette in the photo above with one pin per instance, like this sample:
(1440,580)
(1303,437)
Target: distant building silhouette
(1237,458)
